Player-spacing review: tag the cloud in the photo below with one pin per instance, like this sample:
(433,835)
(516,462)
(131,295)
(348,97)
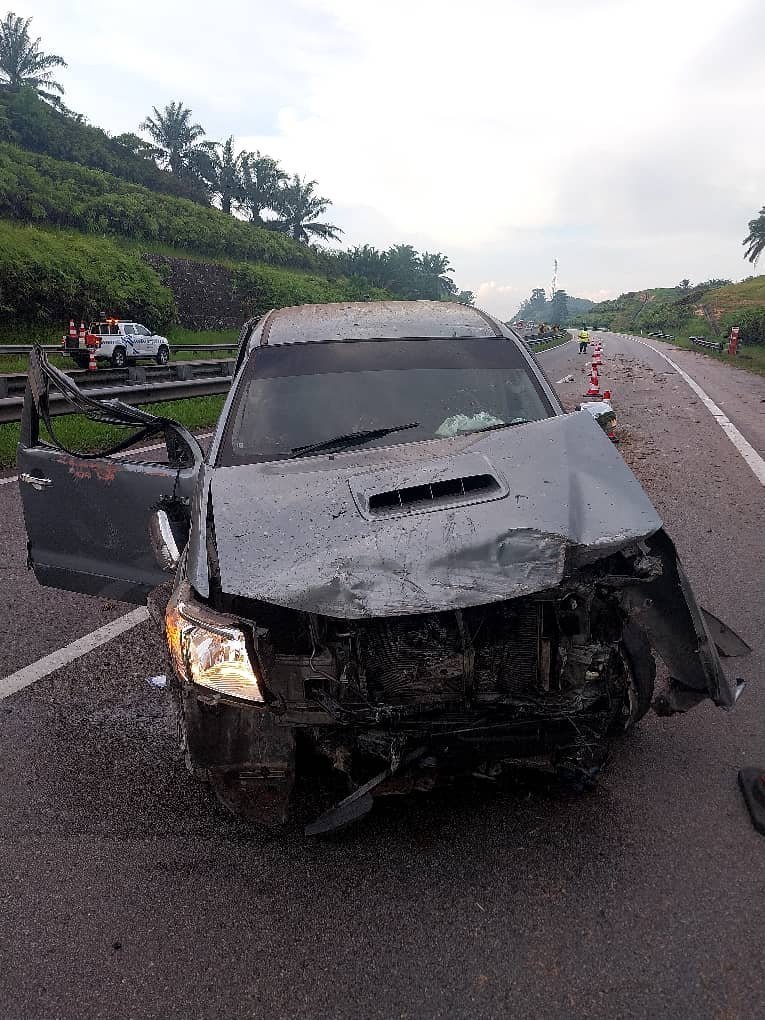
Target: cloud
(524,131)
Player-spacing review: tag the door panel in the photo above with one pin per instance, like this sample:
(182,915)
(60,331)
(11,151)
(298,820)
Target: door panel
(87,519)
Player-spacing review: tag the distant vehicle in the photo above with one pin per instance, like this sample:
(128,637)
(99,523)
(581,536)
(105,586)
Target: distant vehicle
(116,341)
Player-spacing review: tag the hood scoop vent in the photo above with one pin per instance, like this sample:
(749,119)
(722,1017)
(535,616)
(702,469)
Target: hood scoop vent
(434,495)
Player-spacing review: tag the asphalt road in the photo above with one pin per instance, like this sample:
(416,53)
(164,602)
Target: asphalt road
(126,892)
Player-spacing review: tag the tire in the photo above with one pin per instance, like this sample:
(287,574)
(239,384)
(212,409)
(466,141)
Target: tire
(163,355)
(642,667)
(119,357)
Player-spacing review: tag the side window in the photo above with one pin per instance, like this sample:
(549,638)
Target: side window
(128,328)
(143,331)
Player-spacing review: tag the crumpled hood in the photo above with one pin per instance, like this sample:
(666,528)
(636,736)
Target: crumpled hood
(300,534)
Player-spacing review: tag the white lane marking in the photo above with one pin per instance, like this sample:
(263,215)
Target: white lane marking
(744,447)
(125,453)
(64,656)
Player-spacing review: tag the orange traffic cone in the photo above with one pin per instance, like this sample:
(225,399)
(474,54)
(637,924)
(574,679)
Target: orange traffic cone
(594,390)
(596,358)
(72,330)
(92,366)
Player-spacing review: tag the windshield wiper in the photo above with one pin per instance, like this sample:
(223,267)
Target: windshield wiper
(351,439)
(498,425)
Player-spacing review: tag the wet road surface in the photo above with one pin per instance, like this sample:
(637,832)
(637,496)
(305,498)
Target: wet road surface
(125,890)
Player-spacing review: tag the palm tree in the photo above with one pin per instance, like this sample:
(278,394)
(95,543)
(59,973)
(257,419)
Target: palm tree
(177,145)
(403,272)
(436,266)
(299,208)
(755,238)
(23,64)
(262,179)
(227,168)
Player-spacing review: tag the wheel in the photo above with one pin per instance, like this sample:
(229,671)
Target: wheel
(119,358)
(642,668)
(80,360)
(163,355)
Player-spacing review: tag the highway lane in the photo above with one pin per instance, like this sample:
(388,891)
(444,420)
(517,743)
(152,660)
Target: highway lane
(127,892)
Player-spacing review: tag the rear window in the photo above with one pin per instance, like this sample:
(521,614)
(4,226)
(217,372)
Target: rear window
(297,395)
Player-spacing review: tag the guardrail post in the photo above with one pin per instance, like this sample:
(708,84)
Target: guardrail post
(136,374)
(183,370)
(3,388)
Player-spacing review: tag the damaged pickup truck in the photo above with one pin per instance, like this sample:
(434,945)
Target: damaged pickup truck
(399,555)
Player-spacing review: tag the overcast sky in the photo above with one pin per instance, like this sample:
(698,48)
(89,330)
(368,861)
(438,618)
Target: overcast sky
(622,137)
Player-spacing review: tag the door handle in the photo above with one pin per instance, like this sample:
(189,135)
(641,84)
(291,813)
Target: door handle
(35,482)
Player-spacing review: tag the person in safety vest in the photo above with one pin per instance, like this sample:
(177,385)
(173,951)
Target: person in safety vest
(584,339)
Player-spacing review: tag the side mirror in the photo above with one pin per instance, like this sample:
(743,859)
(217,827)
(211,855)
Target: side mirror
(163,542)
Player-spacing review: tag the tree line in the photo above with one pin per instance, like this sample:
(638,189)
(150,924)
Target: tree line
(247,185)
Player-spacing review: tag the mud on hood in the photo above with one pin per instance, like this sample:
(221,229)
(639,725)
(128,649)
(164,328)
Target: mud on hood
(330,535)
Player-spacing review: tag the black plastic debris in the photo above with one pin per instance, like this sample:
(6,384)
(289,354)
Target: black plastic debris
(752,783)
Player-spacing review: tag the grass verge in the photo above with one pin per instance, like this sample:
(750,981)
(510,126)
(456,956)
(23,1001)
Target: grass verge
(79,433)
(749,358)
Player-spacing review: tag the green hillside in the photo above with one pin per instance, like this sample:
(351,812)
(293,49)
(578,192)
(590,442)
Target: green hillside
(41,190)
(72,240)
(26,121)
(708,309)
(47,275)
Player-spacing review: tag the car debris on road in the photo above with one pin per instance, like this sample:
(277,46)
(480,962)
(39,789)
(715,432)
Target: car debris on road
(400,556)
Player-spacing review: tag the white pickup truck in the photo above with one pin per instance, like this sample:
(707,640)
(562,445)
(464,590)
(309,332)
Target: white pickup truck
(116,341)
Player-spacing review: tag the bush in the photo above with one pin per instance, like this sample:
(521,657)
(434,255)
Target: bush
(50,277)
(262,287)
(751,322)
(38,189)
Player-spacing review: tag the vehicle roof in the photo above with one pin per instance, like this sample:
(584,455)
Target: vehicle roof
(367,320)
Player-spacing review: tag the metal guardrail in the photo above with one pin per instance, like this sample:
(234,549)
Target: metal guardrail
(699,341)
(57,348)
(188,379)
(534,340)
(15,384)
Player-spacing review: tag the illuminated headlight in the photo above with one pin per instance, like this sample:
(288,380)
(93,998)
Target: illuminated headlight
(210,655)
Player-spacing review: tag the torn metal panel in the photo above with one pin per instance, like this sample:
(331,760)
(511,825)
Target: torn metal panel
(727,641)
(299,534)
(41,376)
(666,607)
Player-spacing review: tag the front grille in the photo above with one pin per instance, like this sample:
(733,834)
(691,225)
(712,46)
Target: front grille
(413,659)
(506,650)
(488,652)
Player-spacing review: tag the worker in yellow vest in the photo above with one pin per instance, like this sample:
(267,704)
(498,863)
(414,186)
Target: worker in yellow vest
(584,339)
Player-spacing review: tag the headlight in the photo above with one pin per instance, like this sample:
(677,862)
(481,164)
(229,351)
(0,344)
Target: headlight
(207,654)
